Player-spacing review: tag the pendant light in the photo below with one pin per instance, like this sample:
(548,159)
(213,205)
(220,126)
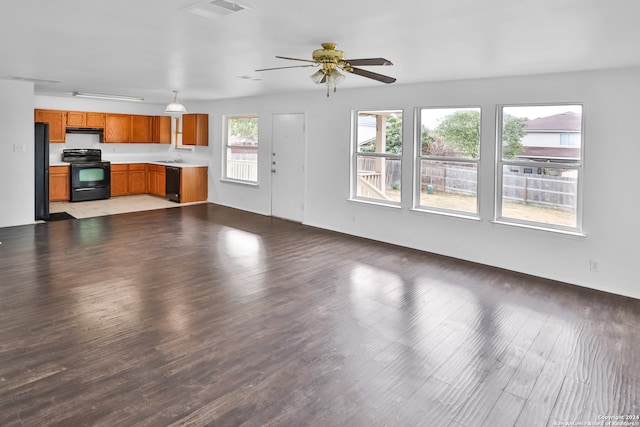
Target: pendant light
(175,108)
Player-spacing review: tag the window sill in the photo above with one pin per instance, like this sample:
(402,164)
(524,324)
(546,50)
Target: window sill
(460,215)
(238,181)
(541,228)
(394,205)
(190,148)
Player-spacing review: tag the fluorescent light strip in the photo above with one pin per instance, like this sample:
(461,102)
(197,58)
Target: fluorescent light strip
(33,79)
(107,96)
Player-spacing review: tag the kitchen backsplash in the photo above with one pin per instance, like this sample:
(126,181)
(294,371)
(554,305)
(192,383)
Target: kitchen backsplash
(113,152)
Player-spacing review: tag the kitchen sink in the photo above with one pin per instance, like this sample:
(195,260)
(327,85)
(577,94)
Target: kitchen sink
(171,161)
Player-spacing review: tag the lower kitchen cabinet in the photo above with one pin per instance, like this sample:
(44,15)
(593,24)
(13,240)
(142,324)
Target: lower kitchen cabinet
(119,180)
(137,178)
(194,184)
(127,179)
(59,185)
(156,175)
(140,178)
(162,181)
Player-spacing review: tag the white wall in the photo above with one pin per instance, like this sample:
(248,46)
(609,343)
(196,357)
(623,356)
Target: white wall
(611,150)
(17,192)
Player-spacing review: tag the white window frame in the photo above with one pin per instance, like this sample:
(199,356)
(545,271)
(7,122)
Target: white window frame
(355,154)
(226,147)
(501,163)
(419,157)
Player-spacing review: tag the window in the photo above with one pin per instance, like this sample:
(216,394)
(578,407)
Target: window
(377,156)
(570,139)
(241,149)
(448,157)
(540,165)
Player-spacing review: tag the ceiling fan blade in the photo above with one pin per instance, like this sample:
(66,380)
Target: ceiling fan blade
(282,68)
(295,59)
(371,75)
(368,61)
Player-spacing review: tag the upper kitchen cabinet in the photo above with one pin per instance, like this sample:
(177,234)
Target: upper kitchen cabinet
(195,129)
(117,128)
(162,129)
(83,119)
(57,123)
(141,129)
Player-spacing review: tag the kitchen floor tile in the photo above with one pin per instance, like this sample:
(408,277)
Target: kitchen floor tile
(114,205)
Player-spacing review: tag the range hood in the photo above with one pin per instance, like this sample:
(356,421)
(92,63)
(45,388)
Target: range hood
(90,131)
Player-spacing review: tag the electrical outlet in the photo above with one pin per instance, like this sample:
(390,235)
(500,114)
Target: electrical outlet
(593,265)
(19,148)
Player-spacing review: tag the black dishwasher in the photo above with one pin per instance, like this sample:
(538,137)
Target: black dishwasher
(173,183)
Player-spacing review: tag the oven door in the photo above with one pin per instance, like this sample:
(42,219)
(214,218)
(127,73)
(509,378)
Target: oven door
(90,181)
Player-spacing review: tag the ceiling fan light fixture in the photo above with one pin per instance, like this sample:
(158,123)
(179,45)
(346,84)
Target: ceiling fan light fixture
(317,77)
(334,78)
(175,108)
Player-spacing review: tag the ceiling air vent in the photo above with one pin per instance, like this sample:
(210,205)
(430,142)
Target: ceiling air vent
(228,5)
(215,9)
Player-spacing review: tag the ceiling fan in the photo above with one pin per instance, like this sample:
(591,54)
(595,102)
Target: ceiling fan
(330,60)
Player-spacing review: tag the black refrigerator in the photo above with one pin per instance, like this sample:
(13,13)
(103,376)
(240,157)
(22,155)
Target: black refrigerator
(42,170)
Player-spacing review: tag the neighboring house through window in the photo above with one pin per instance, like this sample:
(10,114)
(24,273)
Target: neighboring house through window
(540,166)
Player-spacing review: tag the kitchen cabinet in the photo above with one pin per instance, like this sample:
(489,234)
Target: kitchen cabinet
(117,128)
(59,185)
(141,129)
(127,179)
(152,184)
(85,119)
(162,129)
(156,176)
(161,181)
(194,184)
(137,178)
(57,124)
(119,180)
(76,119)
(195,129)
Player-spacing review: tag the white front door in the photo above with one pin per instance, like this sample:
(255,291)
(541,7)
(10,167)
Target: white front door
(287,166)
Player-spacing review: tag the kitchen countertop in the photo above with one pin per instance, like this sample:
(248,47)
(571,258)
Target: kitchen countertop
(183,164)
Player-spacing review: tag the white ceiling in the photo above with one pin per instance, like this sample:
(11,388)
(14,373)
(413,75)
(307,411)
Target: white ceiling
(150,47)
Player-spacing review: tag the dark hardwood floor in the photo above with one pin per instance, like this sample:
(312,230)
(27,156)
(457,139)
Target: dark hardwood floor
(205,315)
